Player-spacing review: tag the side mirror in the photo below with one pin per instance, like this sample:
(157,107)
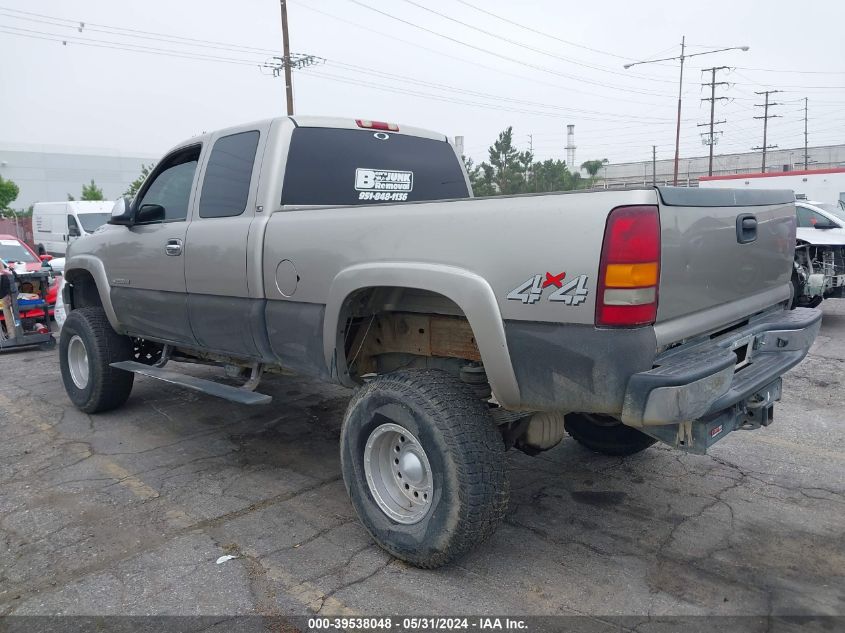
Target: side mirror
(73,231)
(150,213)
(121,212)
(45,258)
(825,225)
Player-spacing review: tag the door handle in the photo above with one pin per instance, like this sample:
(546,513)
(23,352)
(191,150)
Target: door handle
(173,247)
(746,228)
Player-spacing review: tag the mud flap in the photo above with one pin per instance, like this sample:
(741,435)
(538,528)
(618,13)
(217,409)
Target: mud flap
(698,435)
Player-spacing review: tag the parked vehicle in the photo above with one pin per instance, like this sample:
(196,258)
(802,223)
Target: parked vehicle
(819,253)
(58,265)
(469,326)
(19,256)
(57,224)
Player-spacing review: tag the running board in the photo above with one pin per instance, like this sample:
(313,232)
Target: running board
(234,394)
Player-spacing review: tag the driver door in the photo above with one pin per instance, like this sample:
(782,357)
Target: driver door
(147,268)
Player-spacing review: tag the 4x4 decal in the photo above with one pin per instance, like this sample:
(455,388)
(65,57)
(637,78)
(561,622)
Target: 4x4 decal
(571,293)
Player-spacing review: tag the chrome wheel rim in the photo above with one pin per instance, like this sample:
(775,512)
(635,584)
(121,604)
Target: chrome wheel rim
(398,473)
(77,362)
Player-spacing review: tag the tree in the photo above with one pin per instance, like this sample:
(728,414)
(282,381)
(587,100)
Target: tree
(135,185)
(592,167)
(8,194)
(511,171)
(89,192)
(92,192)
(508,164)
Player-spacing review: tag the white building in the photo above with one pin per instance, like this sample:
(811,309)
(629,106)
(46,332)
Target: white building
(690,168)
(46,173)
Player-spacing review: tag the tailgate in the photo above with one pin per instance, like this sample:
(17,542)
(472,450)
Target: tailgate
(725,254)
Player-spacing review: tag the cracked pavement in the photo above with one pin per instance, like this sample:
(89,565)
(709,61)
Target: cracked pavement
(127,512)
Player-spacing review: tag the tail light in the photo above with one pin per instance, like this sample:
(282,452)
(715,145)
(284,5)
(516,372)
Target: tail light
(629,272)
(377,125)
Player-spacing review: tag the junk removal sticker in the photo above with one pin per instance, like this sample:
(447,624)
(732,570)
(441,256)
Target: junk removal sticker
(383,184)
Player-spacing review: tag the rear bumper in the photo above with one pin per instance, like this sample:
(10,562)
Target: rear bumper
(707,378)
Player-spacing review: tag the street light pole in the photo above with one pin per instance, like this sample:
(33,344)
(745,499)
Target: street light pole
(682,57)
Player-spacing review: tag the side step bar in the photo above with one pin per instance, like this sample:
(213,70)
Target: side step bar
(234,394)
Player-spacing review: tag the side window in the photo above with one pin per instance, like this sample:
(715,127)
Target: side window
(803,217)
(226,186)
(808,219)
(170,186)
(72,226)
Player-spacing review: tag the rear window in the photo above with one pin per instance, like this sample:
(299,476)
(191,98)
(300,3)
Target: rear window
(328,166)
(14,251)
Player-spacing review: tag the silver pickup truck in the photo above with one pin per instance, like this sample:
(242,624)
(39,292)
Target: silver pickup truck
(353,251)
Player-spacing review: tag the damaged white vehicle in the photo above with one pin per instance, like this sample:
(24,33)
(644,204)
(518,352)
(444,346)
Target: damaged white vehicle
(819,253)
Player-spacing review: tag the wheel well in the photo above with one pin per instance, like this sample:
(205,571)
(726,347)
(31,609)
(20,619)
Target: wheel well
(382,329)
(83,289)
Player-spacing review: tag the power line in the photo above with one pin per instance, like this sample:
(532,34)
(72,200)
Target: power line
(475,93)
(531,48)
(505,57)
(460,59)
(543,33)
(135,48)
(113,30)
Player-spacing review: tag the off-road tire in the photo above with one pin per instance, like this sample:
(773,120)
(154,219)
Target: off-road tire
(465,451)
(606,438)
(107,388)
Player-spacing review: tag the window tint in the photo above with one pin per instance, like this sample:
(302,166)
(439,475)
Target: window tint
(227,177)
(808,219)
(328,166)
(171,184)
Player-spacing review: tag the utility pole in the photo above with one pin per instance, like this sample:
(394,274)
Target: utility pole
(287,62)
(766,116)
(711,136)
(678,126)
(682,57)
(530,174)
(806,154)
(654,165)
(286,53)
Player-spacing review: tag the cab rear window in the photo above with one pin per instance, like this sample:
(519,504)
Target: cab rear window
(328,166)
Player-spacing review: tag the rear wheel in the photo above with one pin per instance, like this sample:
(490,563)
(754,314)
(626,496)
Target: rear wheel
(87,347)
(424,465)
(606,435)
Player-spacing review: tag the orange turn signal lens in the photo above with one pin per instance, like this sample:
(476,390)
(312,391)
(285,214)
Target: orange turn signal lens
(630,275)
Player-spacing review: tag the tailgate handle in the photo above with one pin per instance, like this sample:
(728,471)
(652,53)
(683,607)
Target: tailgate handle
(746,228)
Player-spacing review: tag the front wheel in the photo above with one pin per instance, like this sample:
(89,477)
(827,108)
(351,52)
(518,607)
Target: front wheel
(87,347)
(606,435)
(424,465)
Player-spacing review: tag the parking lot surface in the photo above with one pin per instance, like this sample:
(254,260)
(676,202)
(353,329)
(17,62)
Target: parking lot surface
(128,512)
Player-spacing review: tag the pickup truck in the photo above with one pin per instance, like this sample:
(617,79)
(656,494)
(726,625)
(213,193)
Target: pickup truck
(354,252)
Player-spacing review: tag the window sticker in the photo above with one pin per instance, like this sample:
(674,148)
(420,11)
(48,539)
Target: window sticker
(383,184)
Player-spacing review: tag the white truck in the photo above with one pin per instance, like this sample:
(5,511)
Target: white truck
(57,224)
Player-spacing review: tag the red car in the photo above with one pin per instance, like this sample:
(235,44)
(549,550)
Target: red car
(15,253)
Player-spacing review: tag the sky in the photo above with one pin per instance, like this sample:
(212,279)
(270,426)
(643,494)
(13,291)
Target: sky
(461,67)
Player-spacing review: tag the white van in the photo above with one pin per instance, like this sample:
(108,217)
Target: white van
(57,224)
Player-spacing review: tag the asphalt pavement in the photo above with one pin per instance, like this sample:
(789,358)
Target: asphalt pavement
(128,512)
